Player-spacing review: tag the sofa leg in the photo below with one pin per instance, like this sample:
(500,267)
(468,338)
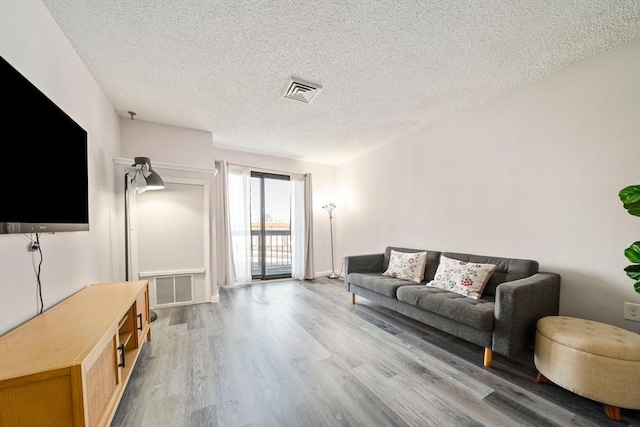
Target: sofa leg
(353,298)
(488,357)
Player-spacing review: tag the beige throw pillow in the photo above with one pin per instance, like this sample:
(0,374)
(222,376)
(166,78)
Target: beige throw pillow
(462,277)
(408,266)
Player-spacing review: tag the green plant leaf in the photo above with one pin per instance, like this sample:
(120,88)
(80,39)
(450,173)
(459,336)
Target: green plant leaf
(630,194)
(633,271)
(633,252)
(634,210)
(630,197)
(631,205)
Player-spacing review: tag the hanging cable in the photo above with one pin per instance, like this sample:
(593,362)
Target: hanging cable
(38,275)
(35,246)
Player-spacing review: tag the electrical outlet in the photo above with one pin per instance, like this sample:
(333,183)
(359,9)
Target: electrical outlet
(632,311)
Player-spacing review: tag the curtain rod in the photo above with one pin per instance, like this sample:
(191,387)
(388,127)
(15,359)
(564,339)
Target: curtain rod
(257,169)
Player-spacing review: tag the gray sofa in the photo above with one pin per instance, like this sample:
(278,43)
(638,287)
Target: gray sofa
(503,319)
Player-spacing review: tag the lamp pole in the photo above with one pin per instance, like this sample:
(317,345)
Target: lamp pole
(142,178)
(126,228)
(330,207)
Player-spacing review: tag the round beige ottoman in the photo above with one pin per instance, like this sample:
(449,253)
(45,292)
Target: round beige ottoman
(595,360)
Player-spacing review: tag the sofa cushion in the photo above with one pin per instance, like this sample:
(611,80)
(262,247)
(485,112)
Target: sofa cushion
(476,313)
(433,258)
(462,277)
(378,283)
(507,269)
(406,265)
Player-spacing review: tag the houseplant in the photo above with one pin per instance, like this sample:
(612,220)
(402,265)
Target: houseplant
(630,197)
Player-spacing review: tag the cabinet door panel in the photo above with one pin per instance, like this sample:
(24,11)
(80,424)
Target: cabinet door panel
(102,383)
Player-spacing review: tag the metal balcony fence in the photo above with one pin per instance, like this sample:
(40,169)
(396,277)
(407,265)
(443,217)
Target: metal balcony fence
(277,257)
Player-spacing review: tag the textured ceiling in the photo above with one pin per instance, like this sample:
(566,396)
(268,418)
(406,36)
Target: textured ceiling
(387,68)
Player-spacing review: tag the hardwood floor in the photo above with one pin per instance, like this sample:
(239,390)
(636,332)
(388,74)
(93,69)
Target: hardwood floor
(289,353)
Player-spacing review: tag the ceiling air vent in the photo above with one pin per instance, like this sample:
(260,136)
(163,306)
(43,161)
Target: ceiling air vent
(301,90)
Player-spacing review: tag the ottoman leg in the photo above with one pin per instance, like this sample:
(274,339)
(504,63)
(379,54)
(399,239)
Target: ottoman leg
(541,379)
(613,412)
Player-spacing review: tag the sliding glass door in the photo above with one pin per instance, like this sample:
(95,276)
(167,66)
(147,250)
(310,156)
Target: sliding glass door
(270,226)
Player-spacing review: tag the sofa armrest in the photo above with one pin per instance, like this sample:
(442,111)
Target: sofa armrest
(371,263)
(518,306)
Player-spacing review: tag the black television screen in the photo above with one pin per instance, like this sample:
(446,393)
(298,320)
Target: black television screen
(45,178)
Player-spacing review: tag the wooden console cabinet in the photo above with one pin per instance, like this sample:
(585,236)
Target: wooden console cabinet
(70,365)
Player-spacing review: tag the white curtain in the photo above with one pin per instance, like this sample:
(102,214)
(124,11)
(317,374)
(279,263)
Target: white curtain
(301,228)
(225,270)
(238,202)
(233,225)
(309,271)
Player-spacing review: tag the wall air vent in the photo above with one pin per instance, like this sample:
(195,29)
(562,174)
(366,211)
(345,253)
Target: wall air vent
(174,290)
(301,90)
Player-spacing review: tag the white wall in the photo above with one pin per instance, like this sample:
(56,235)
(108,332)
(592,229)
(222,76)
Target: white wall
(170,144)
(32,42)
(177,146)
(534,174)
(164,143)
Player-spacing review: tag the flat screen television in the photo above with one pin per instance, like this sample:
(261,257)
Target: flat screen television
(44,175)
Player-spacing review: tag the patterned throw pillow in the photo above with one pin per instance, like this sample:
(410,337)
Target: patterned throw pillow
(408,266)
(462,277)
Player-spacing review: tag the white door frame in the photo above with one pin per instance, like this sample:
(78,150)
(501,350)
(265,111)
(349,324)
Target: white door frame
(206,215)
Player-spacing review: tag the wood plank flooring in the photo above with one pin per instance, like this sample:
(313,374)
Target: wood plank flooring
(292,353)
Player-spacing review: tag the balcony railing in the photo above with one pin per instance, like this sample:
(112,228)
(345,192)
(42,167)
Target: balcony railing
(277,253)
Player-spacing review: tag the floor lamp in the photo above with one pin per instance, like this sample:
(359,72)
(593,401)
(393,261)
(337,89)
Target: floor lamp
(330,207)
(139,178)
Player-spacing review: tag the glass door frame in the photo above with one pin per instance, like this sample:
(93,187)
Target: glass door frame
(263,233)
